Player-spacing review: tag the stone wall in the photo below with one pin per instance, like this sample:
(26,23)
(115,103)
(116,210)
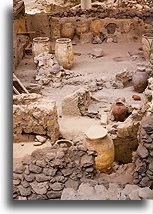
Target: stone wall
(34,115)
(44,174)
(143,156)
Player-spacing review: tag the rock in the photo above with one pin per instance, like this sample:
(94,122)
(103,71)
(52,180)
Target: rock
(37,197)
(41,163)
(129,188)
(18,168)
(40,139)
(68,194)
(24,191)
(66,172)
(54,194)
(49,172)
(109,40)
(125,77)
(37,143)
(50,156)
(97,52)
(104,119)
(42,178)
(134,195)
(145,193)
(114,191)
(25,184)
(72,184)
(86,192)
(16,182)
(86,38)
(30,177)
(77,103)
(142,151)
(101,193)
(20,198)
(92,109)
(35,169)
(56,186)
(86,161)
(39,188)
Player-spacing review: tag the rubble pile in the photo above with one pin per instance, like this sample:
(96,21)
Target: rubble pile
(44,174)
(49,71)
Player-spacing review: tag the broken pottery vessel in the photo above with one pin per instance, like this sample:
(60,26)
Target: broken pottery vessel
(41,45)
(97,137)
(64,52)
(119,111)
(140,80)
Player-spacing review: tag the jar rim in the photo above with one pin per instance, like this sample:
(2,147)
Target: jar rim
(63,40)
(41,39)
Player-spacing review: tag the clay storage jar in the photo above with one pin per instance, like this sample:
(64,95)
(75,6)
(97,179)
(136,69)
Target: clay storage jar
(64,52)
(95,26)
(41,45)
(140,80)
(97,137)
(82,27)
(68,30)
(119,111)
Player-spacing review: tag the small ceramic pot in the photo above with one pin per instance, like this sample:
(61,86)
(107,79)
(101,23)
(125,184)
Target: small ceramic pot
(119,111)
(140,80)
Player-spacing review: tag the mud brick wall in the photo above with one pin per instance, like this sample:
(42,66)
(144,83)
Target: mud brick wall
(44,174)
(33,114)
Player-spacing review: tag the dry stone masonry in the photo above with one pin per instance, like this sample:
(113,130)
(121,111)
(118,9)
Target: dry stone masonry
(44,174)
(35,115)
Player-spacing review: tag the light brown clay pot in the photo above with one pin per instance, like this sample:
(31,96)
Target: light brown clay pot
(41,45)
(64,52)
(67,30)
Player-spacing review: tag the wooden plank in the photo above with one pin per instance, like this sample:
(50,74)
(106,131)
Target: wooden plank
(16,91)
(22,86)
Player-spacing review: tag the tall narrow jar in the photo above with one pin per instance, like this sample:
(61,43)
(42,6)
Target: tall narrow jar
(64,52)
(41,45)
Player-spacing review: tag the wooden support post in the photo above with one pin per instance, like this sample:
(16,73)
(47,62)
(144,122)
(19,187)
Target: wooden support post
(16,91)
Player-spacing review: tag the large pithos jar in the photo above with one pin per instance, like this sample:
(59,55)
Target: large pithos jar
(97,137)
(140,80)
(64,52)
(41,45)
(82,27)
(68,30)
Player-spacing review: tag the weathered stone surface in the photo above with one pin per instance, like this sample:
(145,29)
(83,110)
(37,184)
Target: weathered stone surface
(34,114)
(18,169)
(35,169)
(16,182)
(66,172)
(86,161)
(77,103)
(24,191)
(145,193)
(68,194)
(20,198)
(42,178)
(30,177)
(40,139)
(56,186)
(39,188)
(37,197)
(54,194)
(142,151)
(71,184)
(50,171)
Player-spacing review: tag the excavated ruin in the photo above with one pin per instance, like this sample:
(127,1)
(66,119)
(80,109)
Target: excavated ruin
(53,107)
